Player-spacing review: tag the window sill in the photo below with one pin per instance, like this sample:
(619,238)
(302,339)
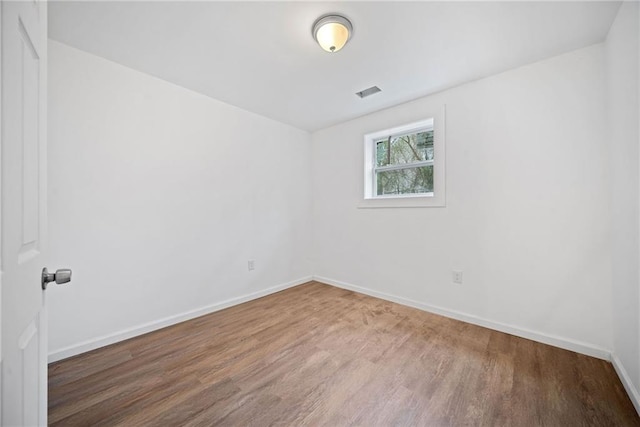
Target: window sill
(402,202)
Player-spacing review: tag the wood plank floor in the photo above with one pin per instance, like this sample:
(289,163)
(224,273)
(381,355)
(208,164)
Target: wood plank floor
(319,355)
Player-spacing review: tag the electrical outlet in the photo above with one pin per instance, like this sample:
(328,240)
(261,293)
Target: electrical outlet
(251,264)
(457,277)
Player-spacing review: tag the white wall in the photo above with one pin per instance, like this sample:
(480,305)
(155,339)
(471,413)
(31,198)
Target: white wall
(158,196)
(527,217)
(621,50)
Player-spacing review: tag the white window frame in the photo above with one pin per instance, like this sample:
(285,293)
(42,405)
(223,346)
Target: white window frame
(437,197)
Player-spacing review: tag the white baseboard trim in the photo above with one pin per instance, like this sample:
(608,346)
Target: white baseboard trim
(565,343)
(105,340)
(632,391)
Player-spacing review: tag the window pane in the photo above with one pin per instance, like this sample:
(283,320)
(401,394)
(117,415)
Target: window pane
(405,181)
(382,152)
(405,149)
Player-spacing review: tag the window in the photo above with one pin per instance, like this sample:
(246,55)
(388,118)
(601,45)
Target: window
(404,163)
(404,166)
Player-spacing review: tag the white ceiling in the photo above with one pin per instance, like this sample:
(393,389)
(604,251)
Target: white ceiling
(260,56)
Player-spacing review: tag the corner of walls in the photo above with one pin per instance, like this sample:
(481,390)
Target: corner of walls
(337,223)
(622,77)
(627,382)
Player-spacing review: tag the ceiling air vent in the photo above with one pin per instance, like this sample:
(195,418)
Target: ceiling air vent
(368,91)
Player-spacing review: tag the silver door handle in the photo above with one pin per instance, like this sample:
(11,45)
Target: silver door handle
(60,276)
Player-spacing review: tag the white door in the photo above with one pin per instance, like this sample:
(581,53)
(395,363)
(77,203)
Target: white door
(23,213)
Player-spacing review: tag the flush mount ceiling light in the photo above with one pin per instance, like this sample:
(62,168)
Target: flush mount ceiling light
(332,32)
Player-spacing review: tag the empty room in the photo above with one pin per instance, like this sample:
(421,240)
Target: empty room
(320,213)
